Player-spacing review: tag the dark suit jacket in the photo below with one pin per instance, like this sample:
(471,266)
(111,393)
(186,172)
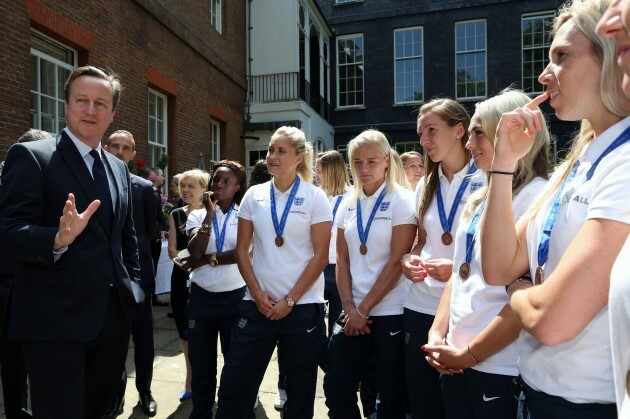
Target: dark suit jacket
(64,300)
(144,208)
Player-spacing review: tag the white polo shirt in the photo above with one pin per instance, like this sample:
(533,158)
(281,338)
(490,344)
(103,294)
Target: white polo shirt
(396,209)
(474,303)
(619,310)
(219,278)
(277,269)
(424,297)
(332,253)
(579,370)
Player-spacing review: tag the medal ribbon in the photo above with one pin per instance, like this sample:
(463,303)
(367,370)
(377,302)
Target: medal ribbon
(219,236)
(447,224)
(543,246)
(471,234)
(363,234)
(279,226)
(332,223)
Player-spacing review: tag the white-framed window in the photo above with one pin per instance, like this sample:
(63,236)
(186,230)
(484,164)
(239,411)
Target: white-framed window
(158,112)
(409,65)
(215,14)
(350,63)
(470,59)
(343,150)
(536,40)
(51,65)
(319,146)
(215,141)
(405,146)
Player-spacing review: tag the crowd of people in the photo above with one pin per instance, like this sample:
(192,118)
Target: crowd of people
(472,282)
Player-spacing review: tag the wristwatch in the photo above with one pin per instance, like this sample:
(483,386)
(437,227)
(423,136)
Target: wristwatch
(290,301)
(213,260)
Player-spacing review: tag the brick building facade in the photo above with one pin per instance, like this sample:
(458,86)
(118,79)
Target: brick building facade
(182,65)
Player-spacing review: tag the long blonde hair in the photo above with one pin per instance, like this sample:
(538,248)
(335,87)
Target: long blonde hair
(452,113)
(377,138)
(297,139)
(534,164)
(335,173)
(585,14)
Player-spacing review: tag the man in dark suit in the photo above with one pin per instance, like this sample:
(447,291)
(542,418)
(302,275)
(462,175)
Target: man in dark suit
(122,145)
(159,228)
(65,218)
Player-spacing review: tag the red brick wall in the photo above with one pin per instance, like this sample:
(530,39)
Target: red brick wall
(146,42)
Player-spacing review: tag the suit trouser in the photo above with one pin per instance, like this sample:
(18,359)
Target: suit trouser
(253,340)
(73,380)
(144,347)
(350,357)
(479,395)
(211,315)
(423,381)
(12,369)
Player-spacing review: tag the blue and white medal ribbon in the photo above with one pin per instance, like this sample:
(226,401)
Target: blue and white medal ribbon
(471,237)
(332,223)
(219,236)
(545,238)
(447,224)
(363,234)
(279,226)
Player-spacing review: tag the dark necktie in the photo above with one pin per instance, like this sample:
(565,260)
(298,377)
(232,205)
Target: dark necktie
(102,188)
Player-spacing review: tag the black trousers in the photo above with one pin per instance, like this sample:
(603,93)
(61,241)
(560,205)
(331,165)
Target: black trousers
(479,395)
(350,358)
(12,368)
(253,340)
(539,405)
(211,316)
(74,380)
(423,381)
(144,348)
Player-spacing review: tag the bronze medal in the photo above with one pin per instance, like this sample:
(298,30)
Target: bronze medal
(363,249)
(279,241)
(447,239)
(540,276)
(464,270)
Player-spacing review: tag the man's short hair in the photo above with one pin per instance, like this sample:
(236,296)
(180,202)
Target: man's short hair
(126,134)
(92,71)
(33,135)
(145,172)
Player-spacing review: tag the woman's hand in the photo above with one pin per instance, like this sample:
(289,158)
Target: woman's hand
(264,301)
(279,311)
(448,359)
(412,268)
(189,264)
(208,202)
(438,269)
(355,325)
(516,134)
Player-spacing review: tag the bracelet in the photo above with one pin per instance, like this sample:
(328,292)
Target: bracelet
(524,278)
(359,313)
(347,302)
(498,172)
(472,356)
(205,229)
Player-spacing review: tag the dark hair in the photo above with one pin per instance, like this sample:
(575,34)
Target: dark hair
(259,173)
(145,172)
(92,71)
(33,135)
(239,171)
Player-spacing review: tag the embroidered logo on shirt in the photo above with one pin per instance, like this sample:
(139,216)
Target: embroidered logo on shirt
(384,206)
(475,185)
(488,399)
(242,322)
(298,201)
